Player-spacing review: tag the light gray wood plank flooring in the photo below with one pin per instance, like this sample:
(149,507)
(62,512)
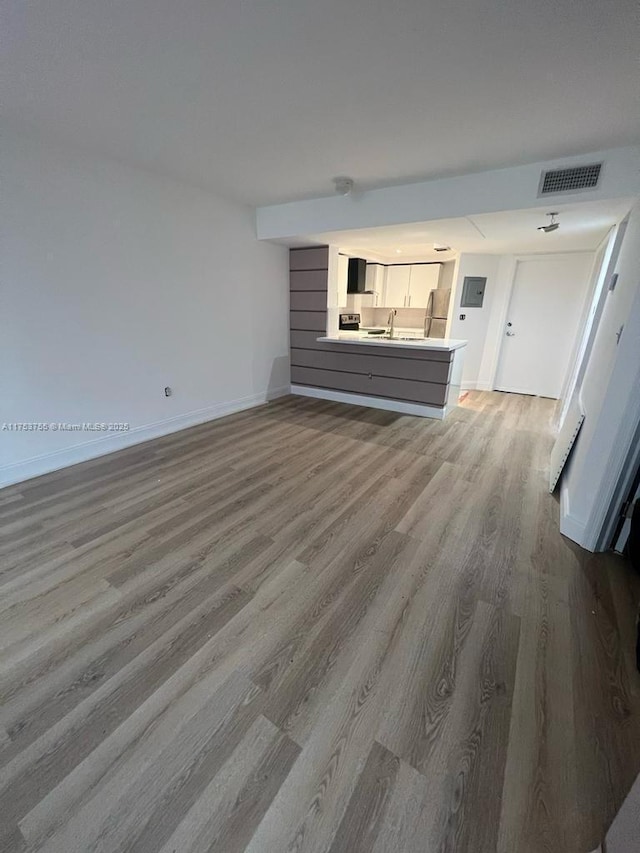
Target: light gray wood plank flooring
(313,627)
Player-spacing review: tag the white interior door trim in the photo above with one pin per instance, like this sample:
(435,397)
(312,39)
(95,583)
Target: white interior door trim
(497,322)
(517,260)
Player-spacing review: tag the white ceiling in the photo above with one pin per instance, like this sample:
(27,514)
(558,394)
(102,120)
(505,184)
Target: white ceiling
(268,100)
(582,228)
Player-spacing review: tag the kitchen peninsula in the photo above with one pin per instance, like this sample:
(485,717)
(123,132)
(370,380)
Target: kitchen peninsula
(408,374)
(416,376)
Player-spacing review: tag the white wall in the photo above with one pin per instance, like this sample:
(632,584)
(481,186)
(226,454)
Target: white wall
(474,327)
(604,267)
(610,394)
(116,283)
(483,327)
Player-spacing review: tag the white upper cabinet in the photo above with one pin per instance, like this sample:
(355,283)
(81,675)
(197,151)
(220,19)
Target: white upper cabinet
(374,283)
(424,278)
(397,289)
(378,282)
(409,285)
(370,277)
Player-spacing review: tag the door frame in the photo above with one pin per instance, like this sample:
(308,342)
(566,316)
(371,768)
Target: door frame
(513,271)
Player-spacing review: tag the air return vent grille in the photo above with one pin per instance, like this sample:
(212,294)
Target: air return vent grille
(570,180)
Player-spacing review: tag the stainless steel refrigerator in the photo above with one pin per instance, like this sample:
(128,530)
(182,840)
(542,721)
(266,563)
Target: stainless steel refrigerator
(437,312)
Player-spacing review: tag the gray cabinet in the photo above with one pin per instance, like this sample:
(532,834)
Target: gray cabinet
(413,376)
(371,384)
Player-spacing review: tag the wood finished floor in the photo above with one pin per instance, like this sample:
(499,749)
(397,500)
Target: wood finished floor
(313,627)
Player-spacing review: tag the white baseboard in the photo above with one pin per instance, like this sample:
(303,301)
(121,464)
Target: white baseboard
(472,385)
(570,526)
(38,465)
(419,409)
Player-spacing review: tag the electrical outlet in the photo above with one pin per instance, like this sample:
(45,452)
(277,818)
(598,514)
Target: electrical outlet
(463,316)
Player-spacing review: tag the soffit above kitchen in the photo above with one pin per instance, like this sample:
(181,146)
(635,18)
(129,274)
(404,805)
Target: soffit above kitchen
(582,228)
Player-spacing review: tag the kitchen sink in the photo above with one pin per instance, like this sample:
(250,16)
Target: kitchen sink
(387,337)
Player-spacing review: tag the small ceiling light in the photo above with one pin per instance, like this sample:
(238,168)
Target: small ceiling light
(552,226)
(343,185)
(398,251)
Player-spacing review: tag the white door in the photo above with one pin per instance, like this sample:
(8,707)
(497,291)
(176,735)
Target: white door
(424,279)
(542,323)
(397,289)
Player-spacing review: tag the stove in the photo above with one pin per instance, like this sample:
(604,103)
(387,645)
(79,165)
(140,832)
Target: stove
(349,322)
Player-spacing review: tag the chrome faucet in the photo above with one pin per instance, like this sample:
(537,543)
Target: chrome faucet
(392,314)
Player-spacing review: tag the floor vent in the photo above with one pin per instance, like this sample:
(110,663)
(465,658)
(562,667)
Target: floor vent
(570,180)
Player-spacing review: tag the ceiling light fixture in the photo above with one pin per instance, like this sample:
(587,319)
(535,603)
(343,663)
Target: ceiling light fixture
(552,226)
(343,185)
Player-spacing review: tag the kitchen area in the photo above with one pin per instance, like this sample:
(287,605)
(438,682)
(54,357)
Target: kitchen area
(399,300)
(373,334)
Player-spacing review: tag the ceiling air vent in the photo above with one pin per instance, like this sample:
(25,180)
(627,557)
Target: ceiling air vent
(570,180)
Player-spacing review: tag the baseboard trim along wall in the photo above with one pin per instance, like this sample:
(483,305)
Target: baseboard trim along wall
(399,406)
(476,386)
(570,526)
(38,465)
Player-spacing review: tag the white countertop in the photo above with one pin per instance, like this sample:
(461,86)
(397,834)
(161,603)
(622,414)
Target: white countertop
(443,344)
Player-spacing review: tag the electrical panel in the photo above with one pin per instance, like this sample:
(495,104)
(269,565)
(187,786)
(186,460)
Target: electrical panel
(473,291)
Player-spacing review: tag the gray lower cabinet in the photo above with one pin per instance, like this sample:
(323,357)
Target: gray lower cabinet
(306,339)
(382,364)
(393,388)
